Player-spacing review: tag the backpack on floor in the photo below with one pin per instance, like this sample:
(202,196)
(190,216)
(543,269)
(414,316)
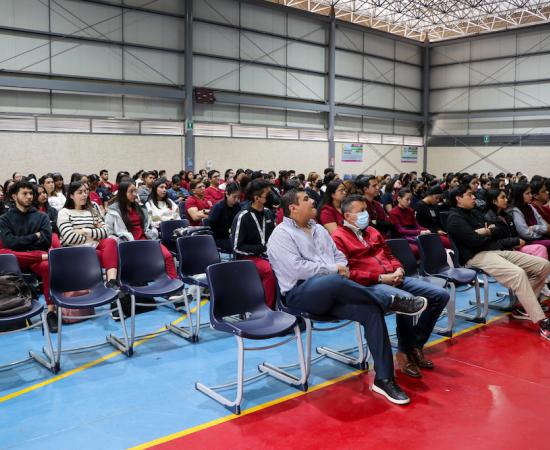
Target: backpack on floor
(15,295)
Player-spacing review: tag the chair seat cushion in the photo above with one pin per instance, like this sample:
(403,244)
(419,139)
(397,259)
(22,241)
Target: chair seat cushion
(158,288)
(98,296)
(458,275)
(264,326)
(36,309)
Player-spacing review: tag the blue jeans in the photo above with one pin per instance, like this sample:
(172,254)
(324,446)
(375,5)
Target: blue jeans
(409,335)
(338,297)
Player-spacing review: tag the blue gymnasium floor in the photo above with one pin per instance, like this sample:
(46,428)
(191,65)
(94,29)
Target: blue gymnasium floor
(102,399)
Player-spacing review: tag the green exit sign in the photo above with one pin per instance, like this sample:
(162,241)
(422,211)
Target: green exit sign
(486,139)
(189,125)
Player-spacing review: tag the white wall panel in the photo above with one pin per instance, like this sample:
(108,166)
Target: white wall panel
(449,100)
(262,116)
(216,113)
(490,72)
(493,47)
(491,126)
(87,60)
(450,127)
(23,53)
(215,40)
(87,105)
(407,128)
(30,14)
(18,101)
(86,19)
(304,119)
(306,56)
(535,95)
(148,108)
(169,6)
(408,53)
(408,75)
(264,19)
(348,91)
(215,73)
(370,124)
(303,85)
(350,64)
(450,76)
(350,39)
(378,96)
(223,11)
(532,125)
(533,42)
(348,123)
(408,99)
(377,45)
(262,80)
(257,47)
(309,30)
(379,70)
(153,66)
(533,67)
(491,98)
(154,29)
(451,53)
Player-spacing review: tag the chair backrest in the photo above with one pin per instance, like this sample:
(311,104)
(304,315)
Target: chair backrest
(167,228)
(433,257)
(183,211)
(9,264)
(235,288)
(401,249)
(196,253)
(74,269)
(140,262)
(443,216)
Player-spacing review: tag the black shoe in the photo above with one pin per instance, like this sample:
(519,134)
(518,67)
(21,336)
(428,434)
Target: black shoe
(51,319)
(545,329)
(113,284)
(391,390)
(519,313)
(410,306)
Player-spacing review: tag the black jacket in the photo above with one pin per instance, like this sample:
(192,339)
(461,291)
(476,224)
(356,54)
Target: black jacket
(428,216)
(504,224)
(246,237)
(221,218)
(18,230)
(461,226)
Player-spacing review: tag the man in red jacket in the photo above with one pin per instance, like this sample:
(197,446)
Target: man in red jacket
(371,264)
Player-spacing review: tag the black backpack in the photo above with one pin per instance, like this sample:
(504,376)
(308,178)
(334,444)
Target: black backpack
(15,295)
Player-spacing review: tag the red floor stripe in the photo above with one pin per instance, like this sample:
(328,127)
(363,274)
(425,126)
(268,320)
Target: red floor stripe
(490,390)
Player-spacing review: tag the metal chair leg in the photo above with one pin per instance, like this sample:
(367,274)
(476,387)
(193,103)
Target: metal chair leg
(343,356)
(48,362)
(451,313)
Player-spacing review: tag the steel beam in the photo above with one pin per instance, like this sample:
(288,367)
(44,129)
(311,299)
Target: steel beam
(90,86)
(426,106)
(331,88)
(267,102)
(491,114)
(379,113)
(189,110)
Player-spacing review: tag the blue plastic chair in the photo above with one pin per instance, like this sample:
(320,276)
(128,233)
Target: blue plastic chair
(9,264)
(195,254)
(167,228)
(78,269)
(142,273)
(236,290)
(433,262)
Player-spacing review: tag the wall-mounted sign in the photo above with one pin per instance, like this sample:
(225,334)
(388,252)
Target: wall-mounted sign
(409,154)
(352,152)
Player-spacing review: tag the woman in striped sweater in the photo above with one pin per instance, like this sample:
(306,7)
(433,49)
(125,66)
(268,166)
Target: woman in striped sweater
(80,223)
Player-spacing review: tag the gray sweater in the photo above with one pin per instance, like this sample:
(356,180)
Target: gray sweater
(536,232)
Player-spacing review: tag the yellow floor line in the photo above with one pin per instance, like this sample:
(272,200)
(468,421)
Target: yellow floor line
(83,367)
(245,412)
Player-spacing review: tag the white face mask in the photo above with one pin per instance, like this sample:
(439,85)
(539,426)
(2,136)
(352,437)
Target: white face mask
(363,220)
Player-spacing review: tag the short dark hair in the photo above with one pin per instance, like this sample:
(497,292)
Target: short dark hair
(346,203)
(212,172)
(403,192)
(102,171)
(255,187)
(364,182)
(290,198)
(231,188)
(458,191)
(18,185)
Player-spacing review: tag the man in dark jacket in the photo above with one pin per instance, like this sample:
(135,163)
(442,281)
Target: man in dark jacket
(26,233)
(250,232)
(526,275)
(222,215)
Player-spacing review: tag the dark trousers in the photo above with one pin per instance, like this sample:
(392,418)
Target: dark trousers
(339,297)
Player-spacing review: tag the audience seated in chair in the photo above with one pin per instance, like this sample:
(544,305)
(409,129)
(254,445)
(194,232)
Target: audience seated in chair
(159,206)
(222,215)
(330,213)
(378,217)
(314,277)
(213,193)
(197,206)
